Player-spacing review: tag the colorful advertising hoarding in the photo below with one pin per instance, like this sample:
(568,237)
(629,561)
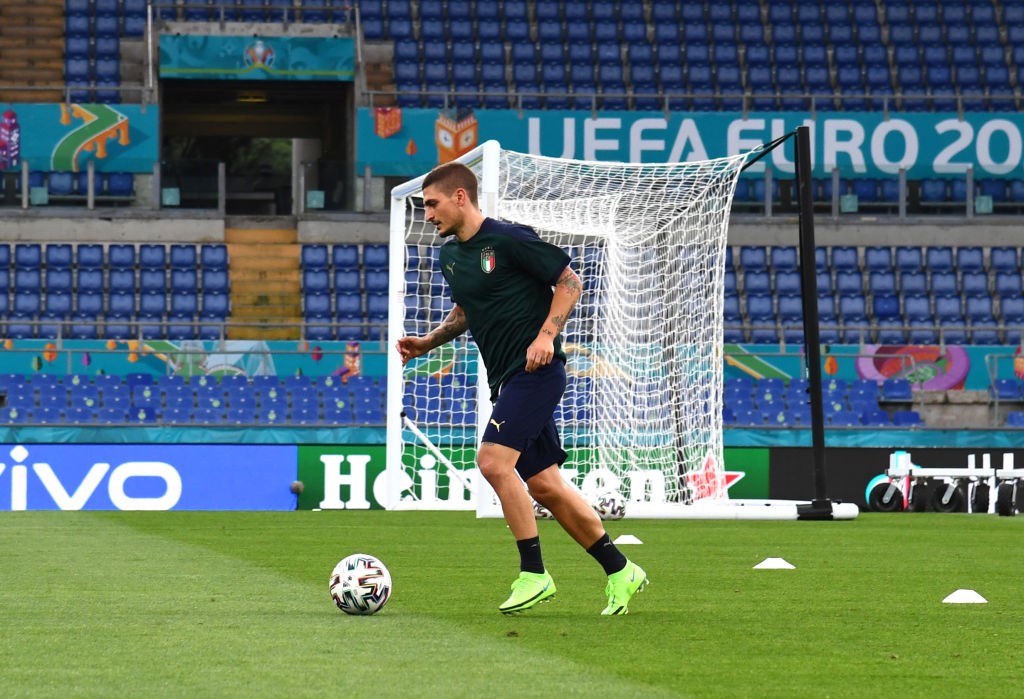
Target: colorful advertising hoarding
(256,57)
(408,142)
(65,137)
(353,476)
(146,477)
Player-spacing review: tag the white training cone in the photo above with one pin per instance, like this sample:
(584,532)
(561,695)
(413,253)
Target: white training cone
(965,597)
(626,539)
(774,564)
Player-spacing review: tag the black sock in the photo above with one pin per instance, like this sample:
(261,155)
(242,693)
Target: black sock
(608,555)
(530,560)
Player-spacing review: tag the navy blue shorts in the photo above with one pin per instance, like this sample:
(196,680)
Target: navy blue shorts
(523,418)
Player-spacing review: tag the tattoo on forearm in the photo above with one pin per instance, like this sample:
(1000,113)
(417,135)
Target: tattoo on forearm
(559,322)
(449,329)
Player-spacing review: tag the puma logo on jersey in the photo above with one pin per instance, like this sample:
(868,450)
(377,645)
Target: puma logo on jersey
(497,425)
(451,269)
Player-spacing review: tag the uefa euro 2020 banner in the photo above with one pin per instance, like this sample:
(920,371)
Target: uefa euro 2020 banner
(408,142)
(256,57)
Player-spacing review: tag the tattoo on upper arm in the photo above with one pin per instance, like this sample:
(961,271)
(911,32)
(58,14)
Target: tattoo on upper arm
(571,281)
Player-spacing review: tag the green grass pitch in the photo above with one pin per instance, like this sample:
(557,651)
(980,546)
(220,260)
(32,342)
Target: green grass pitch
(236,605)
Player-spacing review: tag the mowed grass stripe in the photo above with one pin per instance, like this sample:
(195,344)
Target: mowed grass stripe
(860,616)
(236,604)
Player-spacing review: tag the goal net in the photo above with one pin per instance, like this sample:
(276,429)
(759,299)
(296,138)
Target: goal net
(642,411)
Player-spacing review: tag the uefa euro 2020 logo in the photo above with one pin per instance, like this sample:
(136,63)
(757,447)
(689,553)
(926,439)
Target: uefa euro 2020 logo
(259,55)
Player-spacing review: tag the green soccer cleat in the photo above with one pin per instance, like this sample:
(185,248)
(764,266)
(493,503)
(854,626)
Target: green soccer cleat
(622,586)
(527,590)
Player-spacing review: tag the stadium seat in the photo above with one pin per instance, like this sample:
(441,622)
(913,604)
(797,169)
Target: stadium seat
(28,256)
(753,257)
(844,258)
(913,284)
(906,418)
(214,256)
(939,258)
(878,259)
(974,284)
(896,390)
(944,284)
(881,282)
(757,282)
(784,257)
(1007,284)
(849,282)
(909,259)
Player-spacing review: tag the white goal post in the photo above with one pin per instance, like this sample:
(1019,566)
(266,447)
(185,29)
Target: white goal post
(642,411)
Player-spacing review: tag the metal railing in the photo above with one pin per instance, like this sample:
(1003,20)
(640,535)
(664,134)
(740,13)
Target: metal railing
(743,102)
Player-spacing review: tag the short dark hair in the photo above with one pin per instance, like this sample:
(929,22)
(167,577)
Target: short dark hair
(451,176)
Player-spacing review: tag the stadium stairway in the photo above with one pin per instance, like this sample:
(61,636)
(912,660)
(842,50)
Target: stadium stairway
(31,49)
(265,283)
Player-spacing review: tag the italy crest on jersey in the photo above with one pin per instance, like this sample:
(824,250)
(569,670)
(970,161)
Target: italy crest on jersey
(487,260)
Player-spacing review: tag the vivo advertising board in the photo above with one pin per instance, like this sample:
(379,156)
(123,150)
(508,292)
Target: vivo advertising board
(146,477)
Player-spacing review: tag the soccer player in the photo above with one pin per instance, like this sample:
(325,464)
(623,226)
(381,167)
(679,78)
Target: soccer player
(515,293)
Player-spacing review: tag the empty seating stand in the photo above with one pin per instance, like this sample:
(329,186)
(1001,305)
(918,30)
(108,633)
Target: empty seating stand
(140,399)
(879,294)
(119,292)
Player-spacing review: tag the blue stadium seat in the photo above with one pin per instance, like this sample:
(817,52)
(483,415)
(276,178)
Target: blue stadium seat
(753,257)
(1007,284)
(757,281)
(849,282)
(934,190)
(979,308)
(906,418)
(89,256)
(909,259)
(882,282)
(57,279)
(944,284)
(939,258)
(28,256)
(878,258)
(214,256)
(949,309)
(27,280)
(844,258)
(345,256)
(787,283)
(375,257)
(985,331)
(121,256)
(790,315)
(974,284)
(784,257)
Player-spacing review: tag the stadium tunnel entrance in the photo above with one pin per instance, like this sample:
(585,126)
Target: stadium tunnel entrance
(271,136)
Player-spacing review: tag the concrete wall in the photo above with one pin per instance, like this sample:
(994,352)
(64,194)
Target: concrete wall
(191,227)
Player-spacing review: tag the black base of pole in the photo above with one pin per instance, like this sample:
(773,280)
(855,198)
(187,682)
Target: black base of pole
(818,509)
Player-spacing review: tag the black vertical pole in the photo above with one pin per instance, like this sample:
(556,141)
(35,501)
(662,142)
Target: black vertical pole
(820,507)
